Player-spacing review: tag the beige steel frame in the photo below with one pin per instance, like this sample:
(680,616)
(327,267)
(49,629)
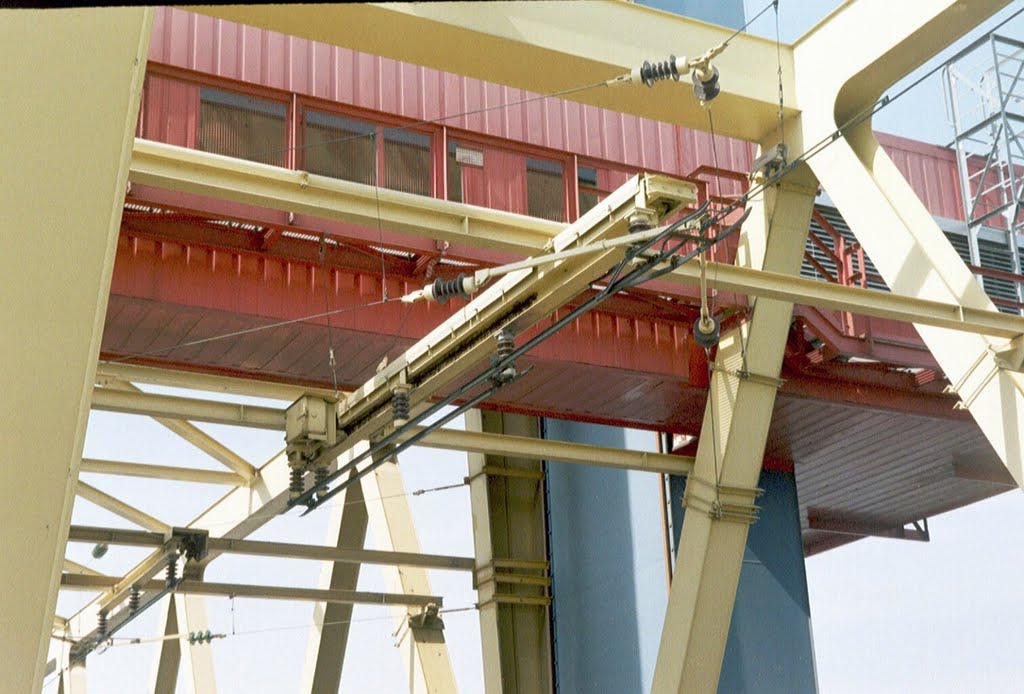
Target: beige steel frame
(830,76)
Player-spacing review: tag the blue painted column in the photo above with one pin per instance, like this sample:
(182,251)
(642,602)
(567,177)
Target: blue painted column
(609,580)
(769,650)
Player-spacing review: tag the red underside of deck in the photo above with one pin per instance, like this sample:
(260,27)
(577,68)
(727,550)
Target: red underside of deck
(190,294)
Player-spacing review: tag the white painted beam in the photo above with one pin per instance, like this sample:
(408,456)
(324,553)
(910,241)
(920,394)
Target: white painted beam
(328,639)
(391,521)
(65,153)
(551,46)
(126,511)
(885,214)
(191,433)
(161,472)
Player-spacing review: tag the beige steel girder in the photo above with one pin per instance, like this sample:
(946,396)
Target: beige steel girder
(552,46)
(721,491)
(510,539)
(183,614)
(424,651)
(170,406)
(191,433)
(888,218)
(721,494)
(181,169)
(65,152)
(328,639)
(114,373)
(163,472)
(125,510)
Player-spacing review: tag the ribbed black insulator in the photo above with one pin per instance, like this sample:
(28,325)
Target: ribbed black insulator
(707,90)
(172,571)
(320,474)
(296,484)
(446,289)
(101,625)
(639,224)
(707,340)
(134,598)
(506,344)
(656,72)
(400,405)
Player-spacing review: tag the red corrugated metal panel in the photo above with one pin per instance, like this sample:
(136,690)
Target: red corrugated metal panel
(270,59)
(931,171)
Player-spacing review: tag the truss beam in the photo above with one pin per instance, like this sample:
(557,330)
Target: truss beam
(112,373)
(161,472)
(328,639)
(450,439)
(425,652)
(125,510)
(196,409)
(193,434)
(282,550)
(244,590)
(895,228)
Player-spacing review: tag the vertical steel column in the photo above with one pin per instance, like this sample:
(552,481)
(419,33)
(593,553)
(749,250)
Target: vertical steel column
(607,565)
(165,674)
(71,84)
(328,639)
(72,680)
(769,648)
(507,496)
(720,492)
(391,520)
(197,660)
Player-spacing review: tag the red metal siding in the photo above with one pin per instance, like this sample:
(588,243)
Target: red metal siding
(931,171)
(270,59)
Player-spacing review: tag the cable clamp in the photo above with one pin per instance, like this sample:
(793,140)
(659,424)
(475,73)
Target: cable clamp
(722,502)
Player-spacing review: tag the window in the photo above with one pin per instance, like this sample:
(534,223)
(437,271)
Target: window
(407,162)
(339,147)
(242,126)
(589,194)
(454,173)
(545,189)
(346,148)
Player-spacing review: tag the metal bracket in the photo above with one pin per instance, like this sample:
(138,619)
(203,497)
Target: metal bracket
(751,377)
(721,502)
(429,618)
(192,544)
(1009,357)
(769,163)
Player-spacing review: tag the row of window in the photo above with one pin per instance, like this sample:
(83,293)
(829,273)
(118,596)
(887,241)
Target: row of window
(353,149)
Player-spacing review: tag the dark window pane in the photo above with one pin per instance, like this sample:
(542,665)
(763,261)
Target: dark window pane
(242,126)
(407,161)
(545,189)
(454,174)
(588,200)
(339,147)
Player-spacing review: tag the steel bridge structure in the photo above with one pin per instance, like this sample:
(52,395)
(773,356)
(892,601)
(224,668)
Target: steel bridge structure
(171,221)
